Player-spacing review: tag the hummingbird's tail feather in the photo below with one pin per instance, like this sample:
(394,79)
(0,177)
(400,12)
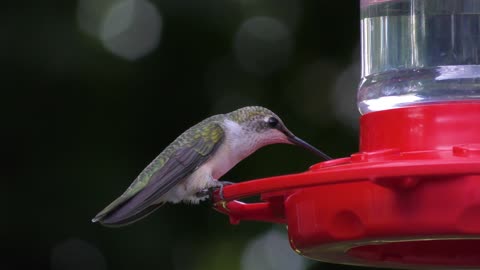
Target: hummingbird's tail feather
(115,219)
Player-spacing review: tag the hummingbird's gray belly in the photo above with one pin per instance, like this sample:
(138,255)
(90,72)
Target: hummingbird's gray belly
(186,190)
(203,177)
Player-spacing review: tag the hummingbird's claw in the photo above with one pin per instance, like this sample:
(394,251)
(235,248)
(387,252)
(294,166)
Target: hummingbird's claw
(222,184)
(220,193)
(226,183)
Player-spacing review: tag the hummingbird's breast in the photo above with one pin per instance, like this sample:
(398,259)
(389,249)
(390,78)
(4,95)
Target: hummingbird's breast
(237,145)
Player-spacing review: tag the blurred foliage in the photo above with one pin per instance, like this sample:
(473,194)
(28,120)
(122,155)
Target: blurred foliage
(80,123)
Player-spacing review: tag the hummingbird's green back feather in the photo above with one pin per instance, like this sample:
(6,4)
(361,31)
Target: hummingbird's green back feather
(190,150)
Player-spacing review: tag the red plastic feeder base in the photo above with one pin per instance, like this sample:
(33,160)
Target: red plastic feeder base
(409,199)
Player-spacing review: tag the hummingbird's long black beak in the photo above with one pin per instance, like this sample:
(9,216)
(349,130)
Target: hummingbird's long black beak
(297,141)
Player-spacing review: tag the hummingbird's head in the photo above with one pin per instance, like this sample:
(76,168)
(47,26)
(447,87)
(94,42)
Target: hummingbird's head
(268,128)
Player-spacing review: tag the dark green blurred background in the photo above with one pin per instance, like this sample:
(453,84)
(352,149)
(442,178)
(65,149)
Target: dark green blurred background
(94,90)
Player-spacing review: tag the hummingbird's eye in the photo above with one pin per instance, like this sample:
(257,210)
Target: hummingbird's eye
(272,122)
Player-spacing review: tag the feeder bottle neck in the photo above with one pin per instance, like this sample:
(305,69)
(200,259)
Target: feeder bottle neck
(417,52)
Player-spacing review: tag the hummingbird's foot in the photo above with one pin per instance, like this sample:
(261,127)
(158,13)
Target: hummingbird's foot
(208,192)
(204,193)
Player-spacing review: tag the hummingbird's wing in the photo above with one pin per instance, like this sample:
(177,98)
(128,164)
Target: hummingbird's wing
(180,159)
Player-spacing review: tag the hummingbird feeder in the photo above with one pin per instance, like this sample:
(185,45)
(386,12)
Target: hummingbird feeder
(410,198)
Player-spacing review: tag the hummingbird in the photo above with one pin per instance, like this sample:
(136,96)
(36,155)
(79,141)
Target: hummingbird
(194,162)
